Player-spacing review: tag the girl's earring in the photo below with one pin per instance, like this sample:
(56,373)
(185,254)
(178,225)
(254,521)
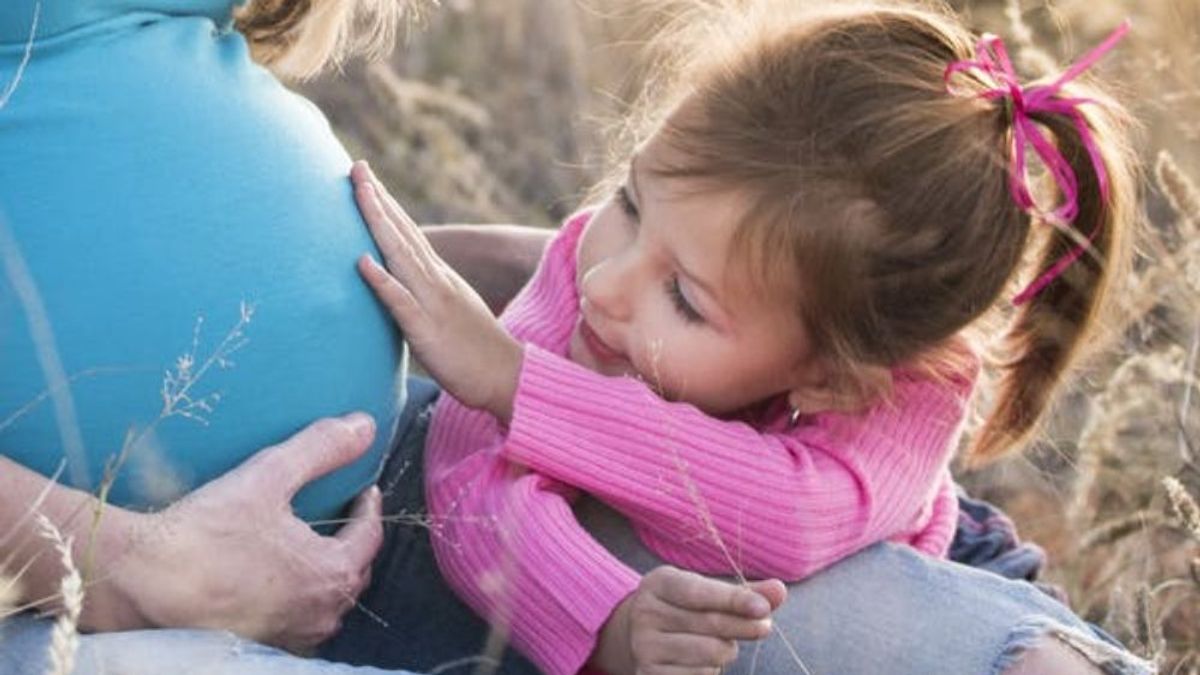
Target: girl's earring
(794,417)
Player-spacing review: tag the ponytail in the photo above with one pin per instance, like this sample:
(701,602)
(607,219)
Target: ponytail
(1052,330)
(297,39)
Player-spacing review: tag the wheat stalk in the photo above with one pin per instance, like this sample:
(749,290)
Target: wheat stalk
(1146,625)
(1180,191)
(64,641)
(1120,527)
(1184,504)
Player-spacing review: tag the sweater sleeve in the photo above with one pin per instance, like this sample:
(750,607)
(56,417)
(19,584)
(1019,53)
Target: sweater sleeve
(508,543)
(505,538)
(714,495)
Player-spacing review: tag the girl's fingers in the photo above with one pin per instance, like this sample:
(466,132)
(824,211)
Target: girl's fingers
(394,296)
(772,589)
(396,247)
(696,651)
(691,591)
(393,208)
(663,669)
(403,245)
(399,217)
(715,624)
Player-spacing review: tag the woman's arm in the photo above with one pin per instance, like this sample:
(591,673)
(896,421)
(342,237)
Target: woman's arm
(230,555)
(23,493)
(496,260)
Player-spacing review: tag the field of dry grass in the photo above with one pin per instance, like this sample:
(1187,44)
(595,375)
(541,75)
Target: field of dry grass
(500,112)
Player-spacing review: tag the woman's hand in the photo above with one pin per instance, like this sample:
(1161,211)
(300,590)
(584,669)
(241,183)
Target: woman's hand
(233,556)
(680,623)
(448,326)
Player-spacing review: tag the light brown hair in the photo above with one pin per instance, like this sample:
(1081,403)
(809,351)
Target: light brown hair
(297,39)
(888,196)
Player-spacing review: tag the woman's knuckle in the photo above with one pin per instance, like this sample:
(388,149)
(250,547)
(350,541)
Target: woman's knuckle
(347,578)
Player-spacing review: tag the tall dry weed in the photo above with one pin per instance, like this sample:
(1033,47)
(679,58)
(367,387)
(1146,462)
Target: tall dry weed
(64,638)
(491,112)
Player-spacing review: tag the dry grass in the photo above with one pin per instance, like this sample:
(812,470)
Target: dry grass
(64,639)
(500,112)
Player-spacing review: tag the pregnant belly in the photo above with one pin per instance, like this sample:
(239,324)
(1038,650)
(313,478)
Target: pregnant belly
(188,236)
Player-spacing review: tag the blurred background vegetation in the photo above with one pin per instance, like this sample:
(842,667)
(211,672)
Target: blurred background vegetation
(500,111)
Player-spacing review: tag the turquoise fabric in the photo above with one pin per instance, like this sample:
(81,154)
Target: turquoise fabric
(153,181)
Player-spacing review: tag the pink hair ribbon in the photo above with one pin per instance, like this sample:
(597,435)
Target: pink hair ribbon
(992,63)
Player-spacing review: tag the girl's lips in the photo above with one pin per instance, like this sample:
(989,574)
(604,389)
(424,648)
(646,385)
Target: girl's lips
(596,346)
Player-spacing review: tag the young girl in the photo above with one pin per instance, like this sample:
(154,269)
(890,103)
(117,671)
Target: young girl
(756,349)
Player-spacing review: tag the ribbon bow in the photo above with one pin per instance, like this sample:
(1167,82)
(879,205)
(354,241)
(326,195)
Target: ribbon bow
(992,63)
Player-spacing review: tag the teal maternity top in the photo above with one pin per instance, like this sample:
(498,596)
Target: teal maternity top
(177,242)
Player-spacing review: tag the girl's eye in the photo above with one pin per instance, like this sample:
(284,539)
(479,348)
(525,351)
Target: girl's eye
(685,308)
(626,204)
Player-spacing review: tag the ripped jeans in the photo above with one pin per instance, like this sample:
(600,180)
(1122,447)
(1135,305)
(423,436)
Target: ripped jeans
(886,610)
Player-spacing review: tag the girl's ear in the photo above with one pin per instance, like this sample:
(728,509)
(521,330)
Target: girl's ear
(819,391)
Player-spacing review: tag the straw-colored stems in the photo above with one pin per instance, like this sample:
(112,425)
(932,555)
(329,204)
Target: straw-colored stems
(64,641)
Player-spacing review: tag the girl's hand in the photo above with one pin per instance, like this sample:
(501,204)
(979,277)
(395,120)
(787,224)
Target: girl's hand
(448,326)
(232,555)
(679,622)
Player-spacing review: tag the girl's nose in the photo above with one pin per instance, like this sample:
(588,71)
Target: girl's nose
(605,288)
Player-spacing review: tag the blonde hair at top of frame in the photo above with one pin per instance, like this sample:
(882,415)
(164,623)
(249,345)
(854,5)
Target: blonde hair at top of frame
(883,198)
(297,39)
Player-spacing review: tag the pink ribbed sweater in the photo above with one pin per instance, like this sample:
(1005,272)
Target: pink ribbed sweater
(702,493)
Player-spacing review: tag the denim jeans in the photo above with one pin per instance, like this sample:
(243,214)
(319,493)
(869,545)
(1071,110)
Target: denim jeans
(886,610)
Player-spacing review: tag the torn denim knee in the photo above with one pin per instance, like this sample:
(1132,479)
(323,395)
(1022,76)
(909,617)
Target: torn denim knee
(1107,656)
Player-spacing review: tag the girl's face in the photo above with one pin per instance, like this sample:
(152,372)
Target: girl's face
(658,301)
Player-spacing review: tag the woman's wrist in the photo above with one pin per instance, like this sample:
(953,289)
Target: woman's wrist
(116,586)
(101,541)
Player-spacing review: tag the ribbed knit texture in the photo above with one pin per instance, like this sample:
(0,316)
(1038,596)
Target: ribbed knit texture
(753,494)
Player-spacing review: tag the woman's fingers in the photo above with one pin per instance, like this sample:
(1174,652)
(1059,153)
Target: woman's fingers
(318,449)
(257,569)
(363,535)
